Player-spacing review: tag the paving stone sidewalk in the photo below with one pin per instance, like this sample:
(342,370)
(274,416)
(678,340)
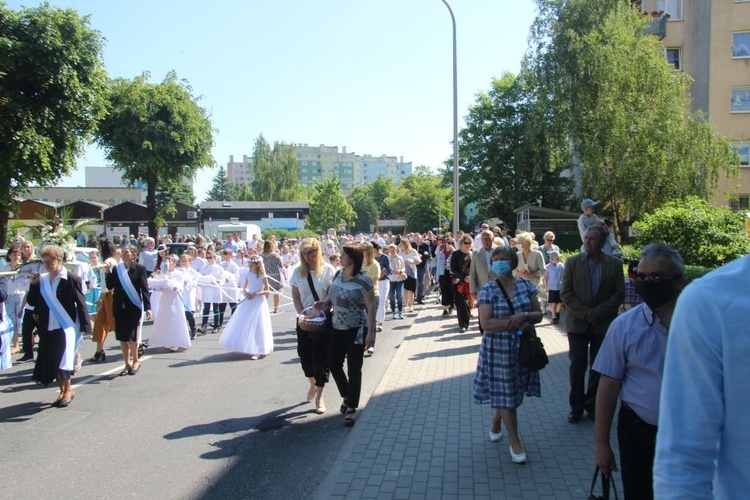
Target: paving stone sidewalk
(420,436)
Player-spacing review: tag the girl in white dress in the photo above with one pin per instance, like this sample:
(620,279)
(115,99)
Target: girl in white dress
(249,329)
(170,326)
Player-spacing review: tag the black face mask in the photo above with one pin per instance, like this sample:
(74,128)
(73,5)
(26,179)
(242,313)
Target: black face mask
(656,294)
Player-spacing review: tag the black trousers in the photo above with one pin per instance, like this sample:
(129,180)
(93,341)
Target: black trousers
(190,317)
(637,441)
(583,348)
(446,289)
(341,345)
(206,307)
(28,325)
(313,355)
(462,308)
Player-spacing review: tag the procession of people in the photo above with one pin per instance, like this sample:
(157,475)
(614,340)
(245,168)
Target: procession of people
(340,310)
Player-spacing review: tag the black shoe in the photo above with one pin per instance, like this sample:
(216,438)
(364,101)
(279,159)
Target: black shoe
(591,414)
(574,417)
(25,358)
(446,313)
(420,302)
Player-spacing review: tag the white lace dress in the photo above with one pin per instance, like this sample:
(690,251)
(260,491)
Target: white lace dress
(249,329)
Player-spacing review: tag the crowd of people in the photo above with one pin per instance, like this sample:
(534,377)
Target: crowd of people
(342,288)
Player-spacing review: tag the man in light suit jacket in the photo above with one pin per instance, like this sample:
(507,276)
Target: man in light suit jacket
(480,271)
(593,287)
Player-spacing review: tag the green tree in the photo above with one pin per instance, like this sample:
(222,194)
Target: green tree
(703,234)
(51,85)
(505,154)
(276,171)
(168,194)
(616,104)
(155,133)
(381,189)
(328,208)
(421,199)
(364,206)
(221,188)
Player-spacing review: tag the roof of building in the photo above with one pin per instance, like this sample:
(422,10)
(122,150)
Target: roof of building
(278,205)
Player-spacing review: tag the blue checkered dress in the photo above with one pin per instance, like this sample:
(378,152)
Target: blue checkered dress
(500,380)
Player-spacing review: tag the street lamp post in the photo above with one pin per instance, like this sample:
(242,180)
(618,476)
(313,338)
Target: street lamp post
(455,124)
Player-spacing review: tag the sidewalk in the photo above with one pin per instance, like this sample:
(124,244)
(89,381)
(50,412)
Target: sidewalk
(420,436)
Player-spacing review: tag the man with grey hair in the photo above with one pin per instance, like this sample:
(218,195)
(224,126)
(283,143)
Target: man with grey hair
(148,256)
(593,287)
(630,363)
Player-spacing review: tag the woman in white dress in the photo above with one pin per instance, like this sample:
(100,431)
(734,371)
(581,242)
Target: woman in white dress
(249,329)
(170,326)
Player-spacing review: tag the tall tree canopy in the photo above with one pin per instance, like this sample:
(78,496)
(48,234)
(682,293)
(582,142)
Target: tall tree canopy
(275,172)
(505,153)
(156,134)
(422,200)
(221,188)
(328,208)
(51,86)
(617,105)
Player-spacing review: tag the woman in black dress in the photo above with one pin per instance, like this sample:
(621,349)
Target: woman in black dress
(128,310)
(59,304)
(460,265)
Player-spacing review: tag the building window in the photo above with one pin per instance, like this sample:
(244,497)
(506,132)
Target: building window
(674,57)
(743,149)
(304,163)
(741,45)
(742,202)
(671,7)
(740,100)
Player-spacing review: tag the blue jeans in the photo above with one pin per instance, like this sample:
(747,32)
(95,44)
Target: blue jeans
(396,293)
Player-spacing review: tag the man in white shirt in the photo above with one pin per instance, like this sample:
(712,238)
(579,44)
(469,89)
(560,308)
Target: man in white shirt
(703,441)
(478,237)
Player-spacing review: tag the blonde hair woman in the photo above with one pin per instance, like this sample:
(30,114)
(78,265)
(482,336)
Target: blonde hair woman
(530,261)
(372,269)
(312,352)
(411,259)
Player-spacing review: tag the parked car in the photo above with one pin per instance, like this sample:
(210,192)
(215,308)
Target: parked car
(177,248)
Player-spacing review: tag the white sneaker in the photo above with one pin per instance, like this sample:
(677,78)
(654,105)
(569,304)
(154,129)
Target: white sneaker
(370,350)
(395,316)
(400,316)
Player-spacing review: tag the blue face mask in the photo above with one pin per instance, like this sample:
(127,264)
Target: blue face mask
(501,267)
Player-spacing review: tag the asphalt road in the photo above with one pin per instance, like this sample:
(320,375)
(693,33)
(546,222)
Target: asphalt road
(203,423)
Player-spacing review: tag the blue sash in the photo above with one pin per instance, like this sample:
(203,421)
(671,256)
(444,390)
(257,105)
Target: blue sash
(127,285)
(61,315)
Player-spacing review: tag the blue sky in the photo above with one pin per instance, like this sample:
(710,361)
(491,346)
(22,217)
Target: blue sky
(374,76)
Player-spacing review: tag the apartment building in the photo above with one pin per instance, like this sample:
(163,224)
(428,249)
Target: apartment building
(710,40)
(323,162)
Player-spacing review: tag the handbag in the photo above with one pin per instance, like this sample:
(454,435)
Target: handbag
(607,483)
(321,333)
(532,355)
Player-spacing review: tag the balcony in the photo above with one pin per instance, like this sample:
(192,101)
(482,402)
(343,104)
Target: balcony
(657,27)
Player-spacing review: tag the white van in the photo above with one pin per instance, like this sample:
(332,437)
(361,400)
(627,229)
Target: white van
(246,231)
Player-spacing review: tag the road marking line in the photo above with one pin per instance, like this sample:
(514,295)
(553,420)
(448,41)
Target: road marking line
(90,378)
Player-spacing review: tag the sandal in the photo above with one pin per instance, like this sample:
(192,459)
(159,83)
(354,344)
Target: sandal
(349,417)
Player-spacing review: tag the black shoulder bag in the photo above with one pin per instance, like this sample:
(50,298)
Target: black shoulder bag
(319,335)
(532,355)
